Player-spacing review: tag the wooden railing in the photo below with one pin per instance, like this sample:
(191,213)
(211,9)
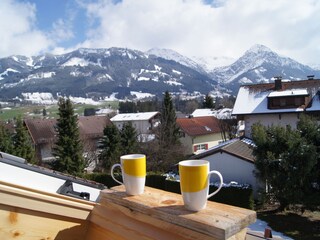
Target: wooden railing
(156,214)
(159,215)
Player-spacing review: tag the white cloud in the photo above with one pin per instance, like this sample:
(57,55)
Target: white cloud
(18,32)
(191,27)
(61,30)
(195,27)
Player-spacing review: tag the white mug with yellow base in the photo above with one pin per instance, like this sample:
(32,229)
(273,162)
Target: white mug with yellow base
(133,168)
(194,183)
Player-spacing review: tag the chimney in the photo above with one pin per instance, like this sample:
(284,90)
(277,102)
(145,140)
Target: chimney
(277,83)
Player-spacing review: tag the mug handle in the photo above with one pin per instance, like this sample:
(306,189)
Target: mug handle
(221,183)
(112,168)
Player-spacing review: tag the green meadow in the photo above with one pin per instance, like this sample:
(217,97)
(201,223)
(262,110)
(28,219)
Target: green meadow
(36,111)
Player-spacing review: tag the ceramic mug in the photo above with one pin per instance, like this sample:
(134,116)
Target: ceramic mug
(194,183)
(133,168)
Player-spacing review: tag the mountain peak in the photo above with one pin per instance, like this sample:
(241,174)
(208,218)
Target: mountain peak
(165,53)
(258,48)
(175,56)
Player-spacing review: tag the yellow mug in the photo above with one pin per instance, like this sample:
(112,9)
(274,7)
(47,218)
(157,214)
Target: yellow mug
(194,183)
(133,168)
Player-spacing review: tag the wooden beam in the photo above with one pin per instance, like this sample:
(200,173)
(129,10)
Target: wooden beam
(21,197)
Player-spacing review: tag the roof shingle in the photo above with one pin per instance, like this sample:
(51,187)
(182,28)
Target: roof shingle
(241,148)
(199,125)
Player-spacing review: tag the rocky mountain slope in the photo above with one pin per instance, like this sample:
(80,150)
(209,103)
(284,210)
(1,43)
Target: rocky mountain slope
(101,73)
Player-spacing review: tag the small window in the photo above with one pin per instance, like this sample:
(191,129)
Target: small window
(200,147)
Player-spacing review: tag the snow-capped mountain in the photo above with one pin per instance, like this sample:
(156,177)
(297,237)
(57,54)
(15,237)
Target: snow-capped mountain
(99,72)
(210,63)
(260,64)
(201,64)
(177,57)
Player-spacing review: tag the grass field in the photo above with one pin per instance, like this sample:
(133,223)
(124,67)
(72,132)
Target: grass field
(51,110)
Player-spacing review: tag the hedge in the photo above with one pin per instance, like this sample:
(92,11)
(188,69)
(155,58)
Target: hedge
(233,195)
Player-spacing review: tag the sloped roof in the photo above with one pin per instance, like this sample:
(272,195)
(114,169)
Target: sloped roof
(253,99)
(241,148)
(133,116)
(92,126)
(43,130)
(199,126)
(223,113)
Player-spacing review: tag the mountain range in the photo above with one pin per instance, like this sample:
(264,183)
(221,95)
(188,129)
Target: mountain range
(100,73)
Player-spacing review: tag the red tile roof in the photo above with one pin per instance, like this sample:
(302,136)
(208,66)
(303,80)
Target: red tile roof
(197,126)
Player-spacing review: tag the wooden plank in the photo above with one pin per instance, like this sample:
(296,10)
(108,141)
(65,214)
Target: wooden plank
(129,224)
(218,221)
(50,203)
(24,224)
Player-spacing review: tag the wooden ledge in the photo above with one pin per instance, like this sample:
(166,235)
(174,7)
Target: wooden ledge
(164,215)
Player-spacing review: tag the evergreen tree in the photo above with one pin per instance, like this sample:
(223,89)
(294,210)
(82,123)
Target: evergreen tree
(167,150)
(169,130)
(6,144)
(68,149)
(286,159)
(110,147)
(22,142)
(208,102)
(127,107)
(129,144)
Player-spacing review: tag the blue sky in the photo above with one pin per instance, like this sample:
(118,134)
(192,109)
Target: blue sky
(203,28)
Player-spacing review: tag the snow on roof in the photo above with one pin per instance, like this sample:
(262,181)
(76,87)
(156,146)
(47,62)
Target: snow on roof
(223,113)
(293,92)
(253,99)
(315,104)
(133,116)
(253,102)
(103,111)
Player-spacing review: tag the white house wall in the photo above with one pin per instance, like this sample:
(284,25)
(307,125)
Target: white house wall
(233,169)
(210,139)
(281,119)
(141,126)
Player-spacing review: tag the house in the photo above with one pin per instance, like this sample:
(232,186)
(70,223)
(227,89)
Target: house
(223,113)
(43,134)
(279,103)
(234,160)
(143,122)
(200,133)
